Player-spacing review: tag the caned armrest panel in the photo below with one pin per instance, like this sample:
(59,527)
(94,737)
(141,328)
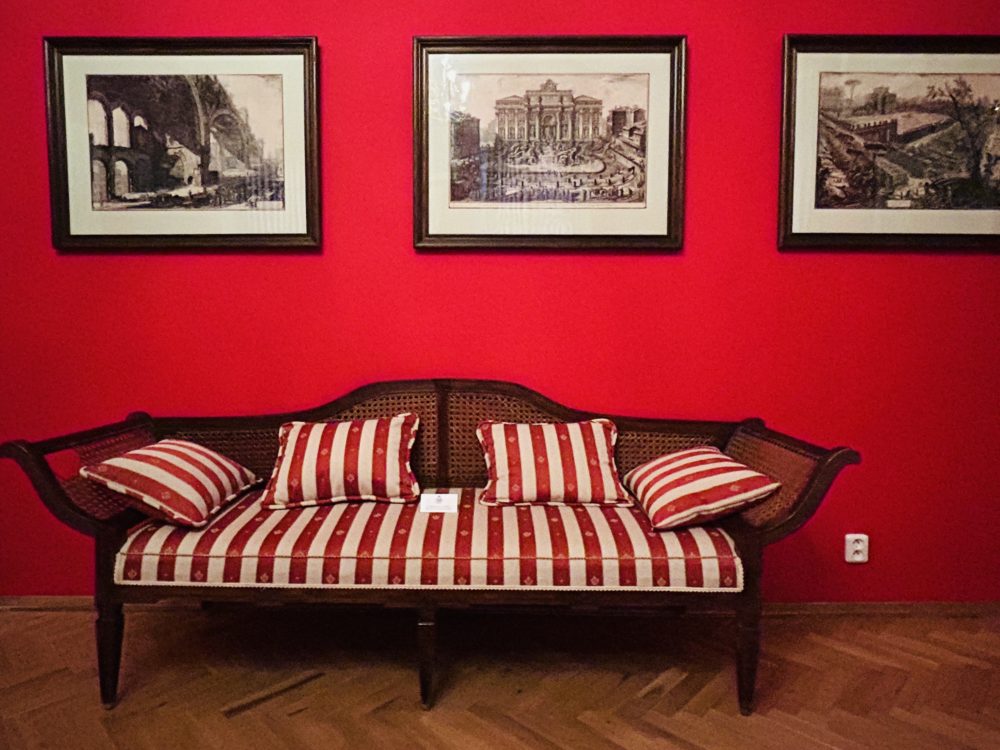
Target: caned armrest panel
(804,470)
(52,466)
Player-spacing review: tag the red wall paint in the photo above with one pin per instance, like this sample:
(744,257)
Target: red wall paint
(894,354)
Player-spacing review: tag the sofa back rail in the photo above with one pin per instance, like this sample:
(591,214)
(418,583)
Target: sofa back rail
(446,452)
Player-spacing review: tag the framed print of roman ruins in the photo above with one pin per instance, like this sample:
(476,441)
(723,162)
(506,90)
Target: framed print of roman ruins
(891,141)
(549,142)
(158,143)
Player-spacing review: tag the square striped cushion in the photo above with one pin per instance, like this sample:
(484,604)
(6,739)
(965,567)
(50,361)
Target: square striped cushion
(561,463)
(174,480)
(695,486)
(330,462)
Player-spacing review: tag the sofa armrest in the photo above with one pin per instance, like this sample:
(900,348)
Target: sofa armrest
(805,471)
(79,503)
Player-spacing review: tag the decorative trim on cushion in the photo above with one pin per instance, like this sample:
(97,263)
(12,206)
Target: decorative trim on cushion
(328,462)
(397,546)
(559,463)
(695,486)
(175,480)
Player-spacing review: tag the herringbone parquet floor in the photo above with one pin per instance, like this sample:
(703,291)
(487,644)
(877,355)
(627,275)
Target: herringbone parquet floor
(279,678)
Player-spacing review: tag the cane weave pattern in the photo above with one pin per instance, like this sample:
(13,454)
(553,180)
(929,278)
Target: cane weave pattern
(636,448)
(93,499)
(466,409)
(791,467)
(424,457)
(256,447)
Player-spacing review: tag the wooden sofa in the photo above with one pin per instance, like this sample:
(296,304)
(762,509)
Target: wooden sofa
(446,455)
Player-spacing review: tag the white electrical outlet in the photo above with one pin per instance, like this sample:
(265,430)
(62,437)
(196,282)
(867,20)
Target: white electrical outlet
(856,548)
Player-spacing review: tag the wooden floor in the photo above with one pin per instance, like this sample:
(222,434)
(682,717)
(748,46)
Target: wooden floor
(274,678)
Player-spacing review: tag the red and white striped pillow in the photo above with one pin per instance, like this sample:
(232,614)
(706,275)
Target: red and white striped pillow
(329,462)
(695,486)
(552,463)
(175,480)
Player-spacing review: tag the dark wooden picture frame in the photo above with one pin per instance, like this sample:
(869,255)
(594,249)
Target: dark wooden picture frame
(183,143)
(890,141)
(550,167)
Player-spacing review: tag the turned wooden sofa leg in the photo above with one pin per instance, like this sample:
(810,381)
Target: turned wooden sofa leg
(426,637)
(110,625)
(747,655)
(748,610)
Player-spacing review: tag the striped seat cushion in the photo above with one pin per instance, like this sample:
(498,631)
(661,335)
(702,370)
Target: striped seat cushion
(175,480)
(373,545)
(560,463)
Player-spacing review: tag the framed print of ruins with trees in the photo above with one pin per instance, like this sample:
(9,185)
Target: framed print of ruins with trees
(182,143)
(891,141)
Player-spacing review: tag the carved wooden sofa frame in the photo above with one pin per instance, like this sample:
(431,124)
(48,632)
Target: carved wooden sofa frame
(446,454)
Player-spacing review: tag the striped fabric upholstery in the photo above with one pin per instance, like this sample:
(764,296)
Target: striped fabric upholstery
(695,486)
(328,462)
(373,545)
(174,480)
(560,463)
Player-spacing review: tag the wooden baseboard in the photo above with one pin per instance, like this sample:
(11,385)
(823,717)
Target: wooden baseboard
(45,603)
(771,609)
(883,609)
(75,604)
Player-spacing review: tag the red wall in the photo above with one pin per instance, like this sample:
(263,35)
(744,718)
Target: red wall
(894,354)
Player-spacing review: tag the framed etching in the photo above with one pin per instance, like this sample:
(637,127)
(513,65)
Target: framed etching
(890,141)
(182,143)
(548,142)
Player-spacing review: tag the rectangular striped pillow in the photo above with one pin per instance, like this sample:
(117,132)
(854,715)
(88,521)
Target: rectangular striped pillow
(552,463)
(175,480)
(330,462)
(695,486)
